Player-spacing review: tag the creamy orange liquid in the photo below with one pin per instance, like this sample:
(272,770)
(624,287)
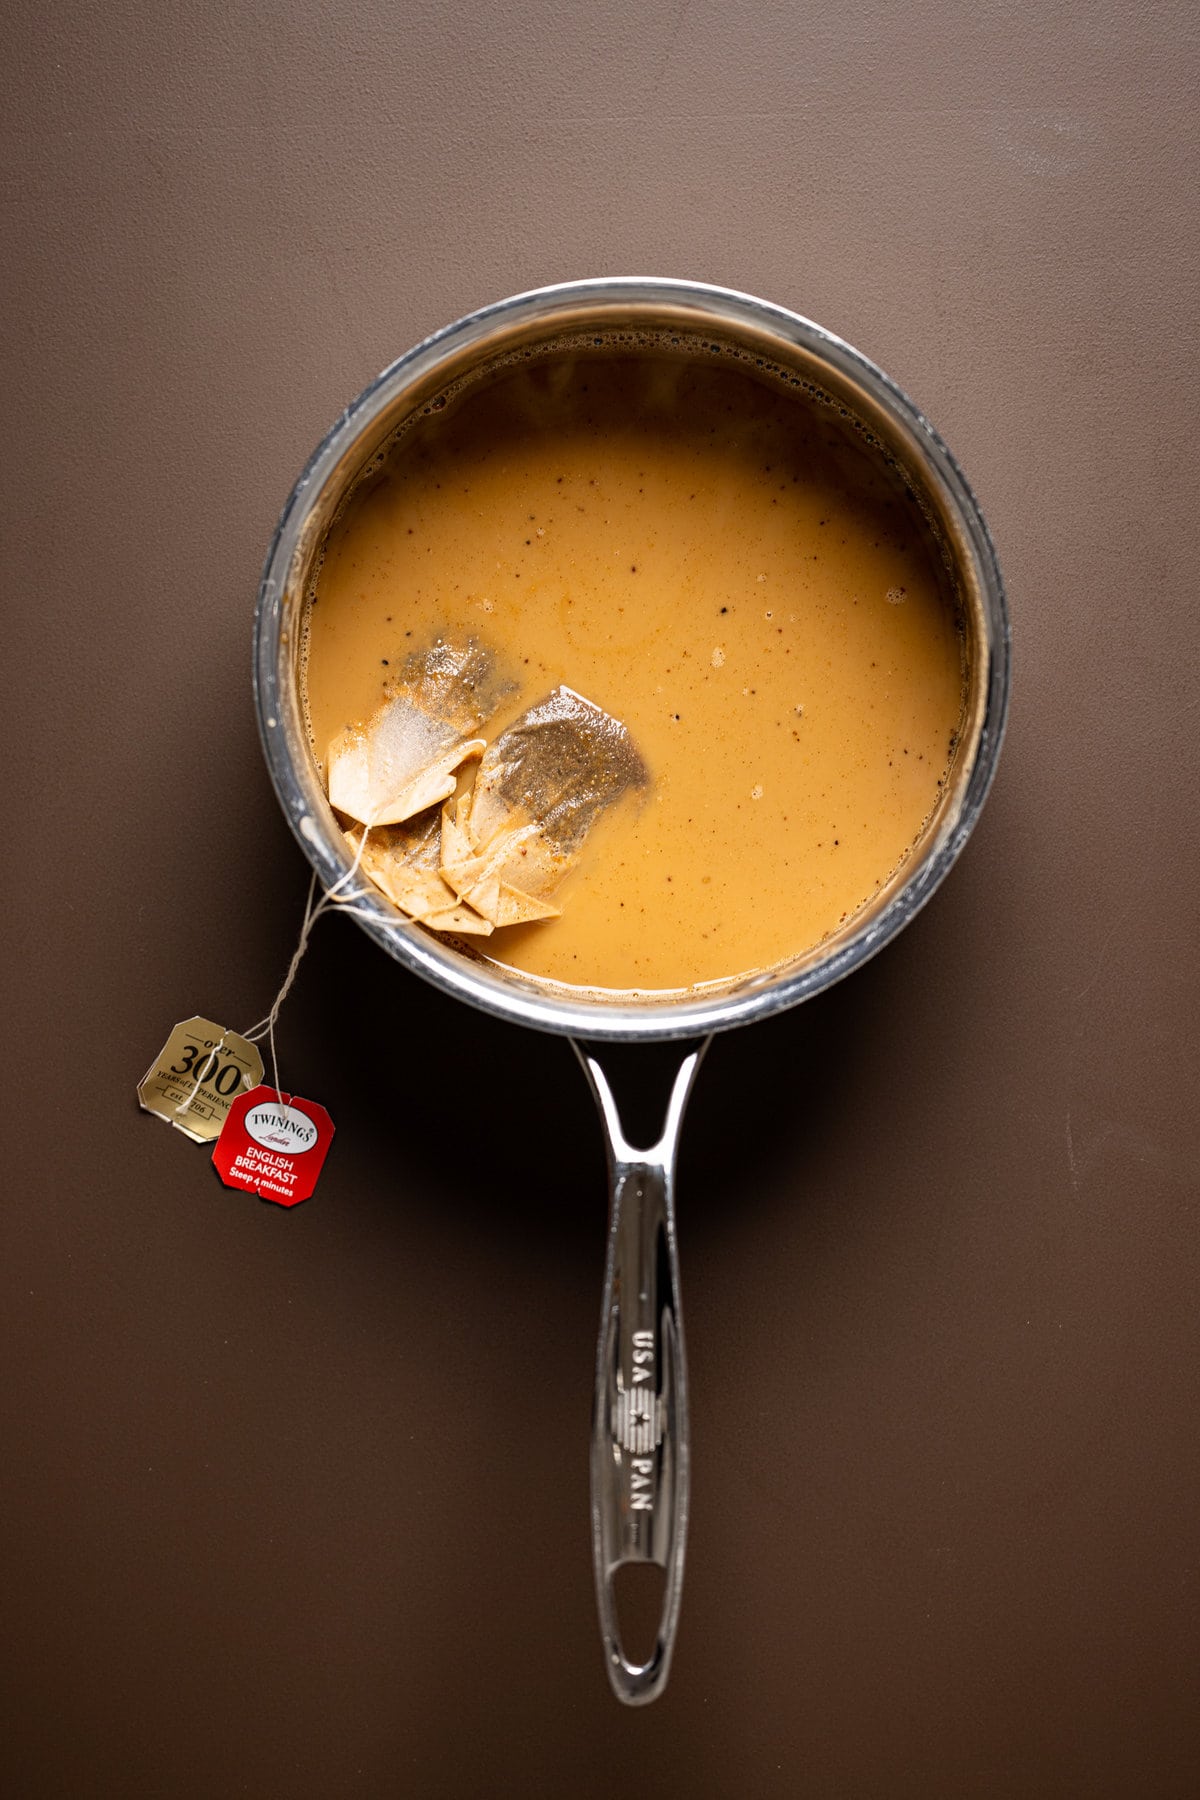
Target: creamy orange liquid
(723,567)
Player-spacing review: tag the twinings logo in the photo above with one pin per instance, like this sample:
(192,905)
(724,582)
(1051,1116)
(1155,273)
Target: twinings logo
(278,1127)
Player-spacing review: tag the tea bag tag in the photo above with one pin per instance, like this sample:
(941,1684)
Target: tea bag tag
(197,1076)
(273,1145)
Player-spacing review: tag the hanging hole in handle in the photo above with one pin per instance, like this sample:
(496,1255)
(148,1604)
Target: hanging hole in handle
(639,1595)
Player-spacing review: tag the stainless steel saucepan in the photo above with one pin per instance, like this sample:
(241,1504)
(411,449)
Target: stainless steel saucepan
(639,1458)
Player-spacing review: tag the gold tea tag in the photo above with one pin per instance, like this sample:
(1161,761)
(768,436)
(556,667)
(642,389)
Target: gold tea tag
(197,1076)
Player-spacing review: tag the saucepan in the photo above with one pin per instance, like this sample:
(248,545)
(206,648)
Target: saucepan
(640,1469)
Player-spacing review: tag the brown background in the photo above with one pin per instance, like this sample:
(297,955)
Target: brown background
(297,1504)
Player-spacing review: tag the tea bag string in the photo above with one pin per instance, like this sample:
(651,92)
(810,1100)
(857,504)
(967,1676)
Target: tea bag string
(332,898)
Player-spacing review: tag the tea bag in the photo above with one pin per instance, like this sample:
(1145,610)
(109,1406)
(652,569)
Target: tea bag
(402,860)
(540,788)
(405,757)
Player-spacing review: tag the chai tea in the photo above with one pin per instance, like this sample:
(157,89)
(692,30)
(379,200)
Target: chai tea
(725,568)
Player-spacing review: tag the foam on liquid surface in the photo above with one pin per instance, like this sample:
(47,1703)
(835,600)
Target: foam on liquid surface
(721,565)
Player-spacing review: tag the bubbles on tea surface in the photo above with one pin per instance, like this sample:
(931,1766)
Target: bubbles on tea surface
(561,362)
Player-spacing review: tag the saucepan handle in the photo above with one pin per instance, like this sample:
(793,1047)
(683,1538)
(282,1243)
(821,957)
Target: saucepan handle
(640,1417)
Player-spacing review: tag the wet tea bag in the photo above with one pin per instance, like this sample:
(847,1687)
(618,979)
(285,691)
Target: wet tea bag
(405,757)
(540,788)
(403,860)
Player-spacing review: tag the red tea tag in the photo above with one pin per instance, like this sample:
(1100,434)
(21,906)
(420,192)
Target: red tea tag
(273,1145)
